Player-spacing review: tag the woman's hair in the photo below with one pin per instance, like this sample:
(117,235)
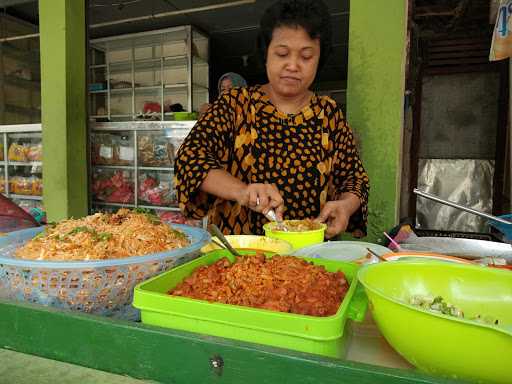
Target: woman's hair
(312,15)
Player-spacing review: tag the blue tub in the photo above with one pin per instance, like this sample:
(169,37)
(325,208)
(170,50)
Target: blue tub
(503,228)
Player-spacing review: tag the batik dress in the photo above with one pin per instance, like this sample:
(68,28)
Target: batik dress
(310,156)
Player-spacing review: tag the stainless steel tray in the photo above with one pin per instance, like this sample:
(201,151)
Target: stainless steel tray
(467,248)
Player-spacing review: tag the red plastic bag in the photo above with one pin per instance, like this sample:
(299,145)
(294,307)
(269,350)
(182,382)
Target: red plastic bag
(14,218)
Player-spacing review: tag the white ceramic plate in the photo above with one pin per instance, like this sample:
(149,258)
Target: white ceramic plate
(341,250)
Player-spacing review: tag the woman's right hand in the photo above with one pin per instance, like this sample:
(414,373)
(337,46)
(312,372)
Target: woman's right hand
(262,198)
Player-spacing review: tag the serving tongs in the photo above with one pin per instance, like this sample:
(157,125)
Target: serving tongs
(461,207)
(214,230)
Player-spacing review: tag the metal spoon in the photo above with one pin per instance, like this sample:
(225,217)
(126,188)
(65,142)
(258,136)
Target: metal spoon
(271,215)
(280,225)
(214,230)
(461,207)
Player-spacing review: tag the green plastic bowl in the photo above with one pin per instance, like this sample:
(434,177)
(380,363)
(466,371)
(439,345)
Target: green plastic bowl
(440,344)
(325,336)
(296,239)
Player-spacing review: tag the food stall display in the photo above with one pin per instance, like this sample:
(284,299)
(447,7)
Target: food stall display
(21,159)
(149,75)
(132,165)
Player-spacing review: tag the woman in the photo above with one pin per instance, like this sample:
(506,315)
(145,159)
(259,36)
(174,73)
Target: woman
(225,83)
(277,146)
(230,80)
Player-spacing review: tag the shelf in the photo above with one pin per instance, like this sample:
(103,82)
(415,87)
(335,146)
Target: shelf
(129,167)
(25,197)
(16,53)
(20,128)
(121,90)
(25,163)
(176,86)
(169,169)
(23,83)
(148,88)
(143,126)
(160,208)
(96,66)
(99,91)
(172,209)
(22,110)
(151,64)
(103,204)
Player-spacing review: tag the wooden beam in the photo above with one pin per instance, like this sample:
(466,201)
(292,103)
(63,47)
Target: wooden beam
(169,356)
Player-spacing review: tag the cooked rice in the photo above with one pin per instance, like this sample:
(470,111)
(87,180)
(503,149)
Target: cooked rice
(103,236)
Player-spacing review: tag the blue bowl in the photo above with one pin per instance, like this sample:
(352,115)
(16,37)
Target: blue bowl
(503,228)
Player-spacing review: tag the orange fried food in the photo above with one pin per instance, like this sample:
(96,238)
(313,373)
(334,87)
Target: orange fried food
(281,283)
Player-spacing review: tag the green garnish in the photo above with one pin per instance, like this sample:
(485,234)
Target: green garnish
(150,214)
(39,235)
(103,236)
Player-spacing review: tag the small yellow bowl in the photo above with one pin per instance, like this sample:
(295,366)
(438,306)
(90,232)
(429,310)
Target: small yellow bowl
(253,242)
(295,238)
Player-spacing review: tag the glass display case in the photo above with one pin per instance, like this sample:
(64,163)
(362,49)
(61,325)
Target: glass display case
(132,165)
(149,75)
(21,155)
(20,74)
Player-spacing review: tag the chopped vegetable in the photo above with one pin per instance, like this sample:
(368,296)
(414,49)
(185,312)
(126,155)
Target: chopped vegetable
(439,305)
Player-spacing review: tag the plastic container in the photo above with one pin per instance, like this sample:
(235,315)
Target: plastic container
(320,335)
(253,242)
(349,251)
(296,239)
(102,287)
(185,115)
(440,344)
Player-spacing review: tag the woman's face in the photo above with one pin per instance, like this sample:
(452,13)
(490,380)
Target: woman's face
(292,61)
(226,84)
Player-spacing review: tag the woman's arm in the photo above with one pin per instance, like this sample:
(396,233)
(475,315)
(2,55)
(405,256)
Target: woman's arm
(258,197)
(348,208)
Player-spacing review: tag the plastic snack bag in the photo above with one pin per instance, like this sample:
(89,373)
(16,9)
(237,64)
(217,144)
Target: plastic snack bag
(501,47)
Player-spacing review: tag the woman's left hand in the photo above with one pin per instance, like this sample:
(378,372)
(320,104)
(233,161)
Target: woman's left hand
(336,214)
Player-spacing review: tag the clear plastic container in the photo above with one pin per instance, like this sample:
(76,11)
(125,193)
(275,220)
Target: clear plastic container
(113,186)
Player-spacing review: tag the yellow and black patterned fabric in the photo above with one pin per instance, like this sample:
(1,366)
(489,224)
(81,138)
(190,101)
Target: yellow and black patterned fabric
(310,156)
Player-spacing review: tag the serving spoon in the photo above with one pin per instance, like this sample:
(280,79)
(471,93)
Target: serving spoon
(271,215)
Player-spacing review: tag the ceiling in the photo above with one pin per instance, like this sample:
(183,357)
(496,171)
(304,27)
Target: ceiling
(232,29)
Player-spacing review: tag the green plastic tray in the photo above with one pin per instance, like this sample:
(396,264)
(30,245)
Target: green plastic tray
(319,335)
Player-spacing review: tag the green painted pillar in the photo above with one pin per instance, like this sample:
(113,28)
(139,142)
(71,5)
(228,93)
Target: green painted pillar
(63,105)
(375,101)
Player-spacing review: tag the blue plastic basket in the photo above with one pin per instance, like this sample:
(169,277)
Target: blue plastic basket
(103,287)
(503,228)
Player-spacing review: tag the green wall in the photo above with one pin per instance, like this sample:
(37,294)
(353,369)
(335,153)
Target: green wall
(375,101)
(63,107)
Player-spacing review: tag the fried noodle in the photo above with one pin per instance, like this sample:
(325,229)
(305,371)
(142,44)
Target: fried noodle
(103,236)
